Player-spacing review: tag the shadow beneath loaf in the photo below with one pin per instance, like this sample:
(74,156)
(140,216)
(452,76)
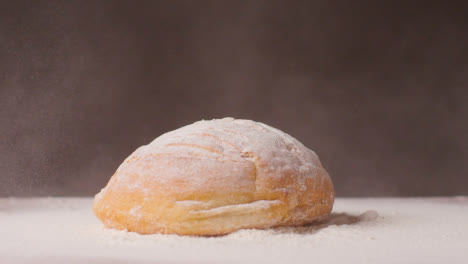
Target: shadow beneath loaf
(334,219)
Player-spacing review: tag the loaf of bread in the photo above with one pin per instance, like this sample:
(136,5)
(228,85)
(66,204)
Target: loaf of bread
(215,177)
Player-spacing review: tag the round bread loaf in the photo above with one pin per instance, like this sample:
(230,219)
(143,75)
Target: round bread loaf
(215,177)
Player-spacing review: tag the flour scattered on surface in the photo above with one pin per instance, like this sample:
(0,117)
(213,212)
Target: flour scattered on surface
(358,231)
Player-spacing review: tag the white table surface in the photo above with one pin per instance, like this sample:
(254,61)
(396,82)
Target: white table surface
(366,230)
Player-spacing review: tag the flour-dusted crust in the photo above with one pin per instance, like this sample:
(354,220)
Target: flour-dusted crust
(215,177)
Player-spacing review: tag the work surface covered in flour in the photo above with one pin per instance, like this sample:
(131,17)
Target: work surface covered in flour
(381,230)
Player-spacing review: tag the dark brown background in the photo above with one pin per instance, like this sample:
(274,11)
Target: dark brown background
(377,88)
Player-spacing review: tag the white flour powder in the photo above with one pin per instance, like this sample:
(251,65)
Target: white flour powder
(64,230)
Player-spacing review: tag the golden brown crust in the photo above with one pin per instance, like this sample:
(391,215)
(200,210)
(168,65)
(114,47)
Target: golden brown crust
(203,180)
